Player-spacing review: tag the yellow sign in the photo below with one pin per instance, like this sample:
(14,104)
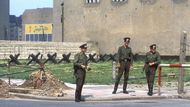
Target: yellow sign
(38,28)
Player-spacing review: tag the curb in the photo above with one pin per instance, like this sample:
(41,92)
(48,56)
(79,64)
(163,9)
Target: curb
(183,96)
(30,96)
(131,98)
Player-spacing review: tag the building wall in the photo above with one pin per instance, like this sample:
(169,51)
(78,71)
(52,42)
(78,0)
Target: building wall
(13,31)
(15,27)
(57,23)
(37,16)
(145,21)
(4,19)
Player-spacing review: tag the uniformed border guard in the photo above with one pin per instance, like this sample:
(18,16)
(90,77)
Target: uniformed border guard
(152,61)
(124,60)
(80,67)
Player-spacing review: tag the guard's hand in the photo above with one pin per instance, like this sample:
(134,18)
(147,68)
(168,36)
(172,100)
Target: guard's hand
(88,68)
(151,63)
(131,67)
(83,66)
(118,65)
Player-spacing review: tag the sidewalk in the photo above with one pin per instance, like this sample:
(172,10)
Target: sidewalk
(104,93)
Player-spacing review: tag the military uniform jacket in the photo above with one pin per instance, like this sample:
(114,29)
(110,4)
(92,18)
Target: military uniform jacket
(125,53)
(80,59)
(153,57)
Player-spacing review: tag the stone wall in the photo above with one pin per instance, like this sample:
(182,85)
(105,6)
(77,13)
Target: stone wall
(26,48)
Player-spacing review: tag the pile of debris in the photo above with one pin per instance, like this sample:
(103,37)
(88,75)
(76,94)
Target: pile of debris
(48,85)
(4,89)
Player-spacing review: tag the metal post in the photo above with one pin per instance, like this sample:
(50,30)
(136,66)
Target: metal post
(41,29)
(182,60)
(43,34)
(113,69)
(9,78)
(62,20)
(159,79)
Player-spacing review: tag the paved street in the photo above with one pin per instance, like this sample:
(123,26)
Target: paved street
(126,103)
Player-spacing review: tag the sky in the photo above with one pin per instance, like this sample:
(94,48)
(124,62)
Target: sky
(17,7)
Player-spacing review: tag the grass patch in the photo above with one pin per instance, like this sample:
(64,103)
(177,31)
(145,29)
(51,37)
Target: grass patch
(101,72)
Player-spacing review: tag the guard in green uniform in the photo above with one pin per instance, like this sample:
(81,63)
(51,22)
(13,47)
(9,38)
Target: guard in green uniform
(125,60)
(80,66)
(151,63)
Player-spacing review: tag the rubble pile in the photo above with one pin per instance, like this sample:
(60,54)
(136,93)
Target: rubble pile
(50,87)
(4,89)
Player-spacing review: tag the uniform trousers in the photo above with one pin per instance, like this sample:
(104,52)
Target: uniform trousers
(123,69)
(80,79)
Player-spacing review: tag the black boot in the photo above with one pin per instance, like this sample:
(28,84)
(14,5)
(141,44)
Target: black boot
(77,96)
(125,88)
(115,89)
(150,93)
(114,92)
(125,92)
(77,100)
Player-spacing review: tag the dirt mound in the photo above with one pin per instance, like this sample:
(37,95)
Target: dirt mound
(4,89)
(50,87)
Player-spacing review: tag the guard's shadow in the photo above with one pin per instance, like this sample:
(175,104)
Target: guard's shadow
(130,91)
(85,96)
